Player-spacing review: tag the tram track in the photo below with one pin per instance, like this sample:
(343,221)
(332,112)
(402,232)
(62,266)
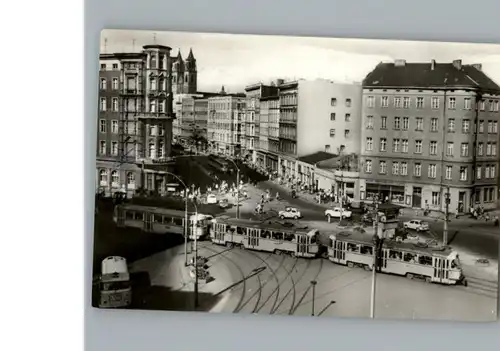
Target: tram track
(294,307)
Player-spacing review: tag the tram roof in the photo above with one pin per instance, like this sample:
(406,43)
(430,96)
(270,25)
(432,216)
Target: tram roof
(158,210)
(268,224)
(365,238)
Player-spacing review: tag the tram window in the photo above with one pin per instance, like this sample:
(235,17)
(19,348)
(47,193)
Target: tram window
(229,229)
(454,264)
(425,260)
(277,236)
(129,215)
(409,257)
(265,234)
(241,230)
(352,247)
(167,219)
(138,216)
(395,255)
(158,218)
(366,250)
(289,237)
(178,221)
(313,239)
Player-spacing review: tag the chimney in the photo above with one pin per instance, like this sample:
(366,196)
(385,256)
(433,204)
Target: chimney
(478,66)
(433,65)
(399,63)
(457,64)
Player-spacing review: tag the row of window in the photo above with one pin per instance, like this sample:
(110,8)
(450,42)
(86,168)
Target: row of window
(401,168)
(401,145)
(347,117)
(403,123)
(488,196)
(406,103)
(154,105)
(348,102)
(131,128)
(104,84)
(132,151)
(115,177)
(347,133)
(104,66)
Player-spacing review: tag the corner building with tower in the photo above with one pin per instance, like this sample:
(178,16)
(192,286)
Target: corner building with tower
(430,129)
(134,136)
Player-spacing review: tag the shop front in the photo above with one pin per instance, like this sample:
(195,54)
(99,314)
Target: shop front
(386,192)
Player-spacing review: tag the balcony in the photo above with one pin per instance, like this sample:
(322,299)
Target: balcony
(131,92)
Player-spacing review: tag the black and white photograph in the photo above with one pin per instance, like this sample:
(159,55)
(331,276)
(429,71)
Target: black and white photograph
(298,176)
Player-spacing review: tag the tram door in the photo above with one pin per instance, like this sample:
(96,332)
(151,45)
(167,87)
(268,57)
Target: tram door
(148,222)
(220,230)
(302,245)
(120,217)
(383,259)
(339,251)
(253,238)
(440,271)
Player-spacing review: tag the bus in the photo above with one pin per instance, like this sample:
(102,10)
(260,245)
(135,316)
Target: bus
(114,285)
(219,163)
(265,236)
(419,261)
(160,220)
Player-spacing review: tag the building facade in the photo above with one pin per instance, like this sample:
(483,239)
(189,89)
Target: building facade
(135,119)
(226,115)
(427,128)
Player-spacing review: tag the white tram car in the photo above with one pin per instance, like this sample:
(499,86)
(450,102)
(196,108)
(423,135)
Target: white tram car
(265,236)
(405,259)
(160,220)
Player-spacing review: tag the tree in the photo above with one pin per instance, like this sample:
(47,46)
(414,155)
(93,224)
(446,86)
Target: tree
(198,139)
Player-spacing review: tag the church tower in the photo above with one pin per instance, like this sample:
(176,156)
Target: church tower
(190,74)
(178,75)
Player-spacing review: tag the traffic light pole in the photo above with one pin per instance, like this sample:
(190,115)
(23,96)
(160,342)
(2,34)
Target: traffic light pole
(446,216)
(374,268)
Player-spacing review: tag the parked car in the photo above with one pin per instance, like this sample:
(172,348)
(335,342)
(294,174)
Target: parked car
(211,199)
(224,203)
(412,236)
(336,212)
(416,224)
(370,217)
(290,212)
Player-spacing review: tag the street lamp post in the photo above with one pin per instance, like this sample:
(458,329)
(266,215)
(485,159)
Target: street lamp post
(374,268)
(446,215)
(313,283)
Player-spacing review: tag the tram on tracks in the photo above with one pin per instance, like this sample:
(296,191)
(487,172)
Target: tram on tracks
(265,236)
(161,220)
(434,265)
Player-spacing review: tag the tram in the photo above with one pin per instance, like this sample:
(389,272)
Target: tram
(160,220)
(405,259)
(114,286)
(265,236)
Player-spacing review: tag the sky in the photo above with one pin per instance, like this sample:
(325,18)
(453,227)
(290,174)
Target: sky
(235,61)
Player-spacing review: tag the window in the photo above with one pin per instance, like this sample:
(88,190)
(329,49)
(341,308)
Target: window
(369,122)
(102,126)
(418,146)
(115,83)
(103,177)
(327,148)
(333,101)
(115,178)
(404,168)
(481,126)
(397,122)
(464,150)
(433,148)
(406,123)
(347,117)
(451,125)
(420,124)
(482,105)
(114,148)
(496,105)
(488,149)
(404,145)
(395,145)
(151,150)
(448,174)
(463,173)
(115,66)
(435,198)
(465,126)
(491,105)
(332,132)
(114,126)
(397,102)
(369,144)
(449,149)
(434,124)
(161,130)
(114,104)
(495,127)
(493,171)
(103,84)
(478,172)
(406,102)
(452,102)
(480,149)
(370,101)
(346,133)
(467,104)
(384,122)
(368,166)
(418,170)
(493,149)
(383,167)
(385,101)
(431,171)
(435,103)
(103,66)
(395,168)
(102,147)
(161,148)
(130,178)
(160,106)
(102,104)
(420,102)
(152,106)
(348,102)
(490,127)
(332,116)
(383,144)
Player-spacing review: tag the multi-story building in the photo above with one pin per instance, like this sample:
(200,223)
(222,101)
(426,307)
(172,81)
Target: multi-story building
(429,127)
(194,117)
(225,119)
(135,117)
(250,141)
(317,115)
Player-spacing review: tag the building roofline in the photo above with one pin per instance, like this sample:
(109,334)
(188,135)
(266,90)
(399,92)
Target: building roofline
(253,86)
(448,87)
(156,46)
